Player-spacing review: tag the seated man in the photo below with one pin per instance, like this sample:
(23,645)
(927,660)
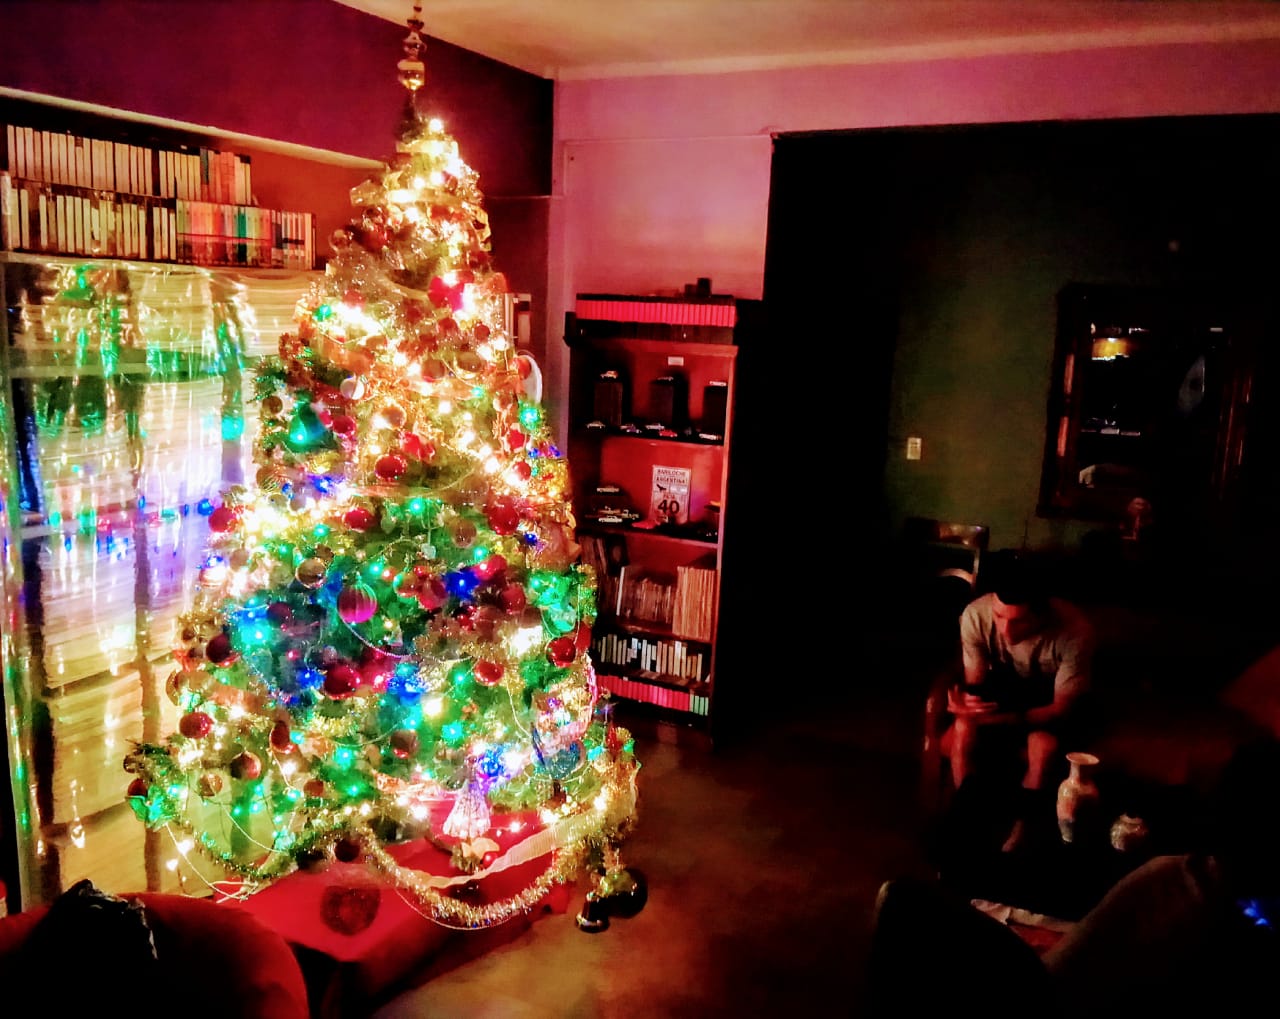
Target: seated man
(1027,660)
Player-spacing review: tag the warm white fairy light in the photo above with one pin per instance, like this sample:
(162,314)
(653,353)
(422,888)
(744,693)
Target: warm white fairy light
(525,640)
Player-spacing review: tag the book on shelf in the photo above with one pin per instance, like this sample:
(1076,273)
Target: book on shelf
(645,595)
(606,555)
(669,661)
(71,194)
(646,693)
(694,604)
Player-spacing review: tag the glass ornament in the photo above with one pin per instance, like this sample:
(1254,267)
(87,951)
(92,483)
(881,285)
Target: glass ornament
(311,572)
(195,725)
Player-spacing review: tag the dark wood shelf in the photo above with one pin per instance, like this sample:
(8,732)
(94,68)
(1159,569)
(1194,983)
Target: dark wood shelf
(584,431)
(630,529)
(660,631)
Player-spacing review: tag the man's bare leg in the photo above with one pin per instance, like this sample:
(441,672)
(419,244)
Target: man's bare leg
(964,743)
(1042,751)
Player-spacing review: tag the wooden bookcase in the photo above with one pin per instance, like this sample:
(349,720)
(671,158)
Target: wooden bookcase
(651,398)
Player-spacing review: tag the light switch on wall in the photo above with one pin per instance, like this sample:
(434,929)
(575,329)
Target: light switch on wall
(914,446)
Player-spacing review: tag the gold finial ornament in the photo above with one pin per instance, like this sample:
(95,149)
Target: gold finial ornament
(412,71)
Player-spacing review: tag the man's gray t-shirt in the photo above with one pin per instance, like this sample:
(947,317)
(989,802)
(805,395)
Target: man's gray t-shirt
(1059,655)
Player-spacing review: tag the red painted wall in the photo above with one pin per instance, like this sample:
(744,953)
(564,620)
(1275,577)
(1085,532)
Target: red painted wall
(307,71)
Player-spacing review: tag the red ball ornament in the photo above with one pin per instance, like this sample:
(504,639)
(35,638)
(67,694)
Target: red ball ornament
(341,681)
(490,568)
(359,518)
(390,467)
(522,470)
(343,424)
(281,737)
(488,673)
(513,599)
(404,743)
(195,725)
(411,445)
(503,516)
(407,585)
(356,604)
(222,520)
(138,787)
(582,638)
(432,593)
(562,651)
(279,613)
(219,650)
(375,669)
(245,766)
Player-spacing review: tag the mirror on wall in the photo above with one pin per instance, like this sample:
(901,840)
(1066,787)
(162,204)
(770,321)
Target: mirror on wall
(1145,404)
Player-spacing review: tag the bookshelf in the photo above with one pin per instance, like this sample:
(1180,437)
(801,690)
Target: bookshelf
(81,180)
(651,385)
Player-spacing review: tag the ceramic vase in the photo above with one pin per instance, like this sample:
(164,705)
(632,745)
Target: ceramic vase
(1078,796)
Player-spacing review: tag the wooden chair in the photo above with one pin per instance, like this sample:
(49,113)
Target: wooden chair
(939,549)
(941,570)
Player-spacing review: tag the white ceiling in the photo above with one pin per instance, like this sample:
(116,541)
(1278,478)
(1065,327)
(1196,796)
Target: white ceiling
(577,39)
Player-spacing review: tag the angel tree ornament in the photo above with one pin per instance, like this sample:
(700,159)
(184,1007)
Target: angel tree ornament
(389,640)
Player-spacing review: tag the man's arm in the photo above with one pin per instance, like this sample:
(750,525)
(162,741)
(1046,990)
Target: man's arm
(1074,676)
(977,666)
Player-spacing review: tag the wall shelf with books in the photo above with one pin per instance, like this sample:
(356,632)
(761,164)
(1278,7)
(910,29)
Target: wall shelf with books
(650,404)
(81,180)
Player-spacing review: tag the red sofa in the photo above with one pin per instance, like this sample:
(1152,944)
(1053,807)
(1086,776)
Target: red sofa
(208,960)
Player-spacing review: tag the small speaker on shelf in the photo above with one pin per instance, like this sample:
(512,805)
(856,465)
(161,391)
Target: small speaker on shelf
(609,400)
(715,410)
(669,402)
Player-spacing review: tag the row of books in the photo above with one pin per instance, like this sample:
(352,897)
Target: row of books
(646,596)
(606,555)
(673,662)
(197,173)
(685,601)
(666,697)
(38,219)
(694,611)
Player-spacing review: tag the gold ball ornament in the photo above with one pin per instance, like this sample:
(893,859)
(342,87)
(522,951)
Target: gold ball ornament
(311,573)
(209,784)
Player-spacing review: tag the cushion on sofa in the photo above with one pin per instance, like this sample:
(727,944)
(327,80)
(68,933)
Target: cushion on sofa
(89,952)
(1172,740)
(1256,691)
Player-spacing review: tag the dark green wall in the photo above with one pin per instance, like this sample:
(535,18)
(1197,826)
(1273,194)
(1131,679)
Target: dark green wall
(934,303)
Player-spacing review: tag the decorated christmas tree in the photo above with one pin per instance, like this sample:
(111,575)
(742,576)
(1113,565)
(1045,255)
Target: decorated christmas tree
(387,645)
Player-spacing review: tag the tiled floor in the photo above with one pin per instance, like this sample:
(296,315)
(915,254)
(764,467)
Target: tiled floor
(762,862)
